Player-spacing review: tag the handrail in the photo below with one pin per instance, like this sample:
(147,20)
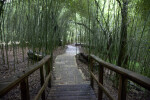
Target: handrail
(22,78)
(101,86)
(124,75)
(137,78)
(43,87)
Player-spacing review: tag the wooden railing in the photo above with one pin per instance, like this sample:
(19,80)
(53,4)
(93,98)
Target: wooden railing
(22,79)
(124,76)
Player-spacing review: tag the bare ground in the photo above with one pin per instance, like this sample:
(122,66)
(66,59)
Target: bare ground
(20,65)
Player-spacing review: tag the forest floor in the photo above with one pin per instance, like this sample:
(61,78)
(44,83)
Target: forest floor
(34,79)
(20,65)
(134,93)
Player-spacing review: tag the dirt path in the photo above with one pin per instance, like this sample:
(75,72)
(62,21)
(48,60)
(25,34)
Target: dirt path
(66,70)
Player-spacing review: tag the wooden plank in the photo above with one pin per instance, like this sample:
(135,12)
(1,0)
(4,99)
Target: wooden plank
(72,98)
(137,78)
(122,88)
(16,79)
(51,63)
(70,89)
(47,65)
(91,68)
(24,87)
(72,92)
(100,91)
(102,87)
(43,87)
(73,86)
(9,84)
(42,82)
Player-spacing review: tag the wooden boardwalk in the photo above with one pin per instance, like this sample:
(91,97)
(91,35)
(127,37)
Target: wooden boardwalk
(65,71)
(68,82)
(71,92)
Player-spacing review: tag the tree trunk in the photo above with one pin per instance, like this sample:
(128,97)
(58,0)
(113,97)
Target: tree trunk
(123,56)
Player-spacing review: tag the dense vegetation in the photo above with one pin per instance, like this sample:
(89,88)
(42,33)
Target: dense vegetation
(115,30)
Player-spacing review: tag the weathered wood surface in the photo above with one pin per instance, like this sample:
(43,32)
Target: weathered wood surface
(65,70)
(100,92)
(24,86)
(124,76)
(137,78)
(41,92)
(11,82)
(42,82)
(122,88)
(101,86)
(91,68)
(71,92)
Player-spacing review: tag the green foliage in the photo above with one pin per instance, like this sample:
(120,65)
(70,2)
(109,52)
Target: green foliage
(143,7)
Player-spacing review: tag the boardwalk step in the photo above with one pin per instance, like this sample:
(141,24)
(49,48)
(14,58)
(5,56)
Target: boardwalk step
(72,98)
(71,92)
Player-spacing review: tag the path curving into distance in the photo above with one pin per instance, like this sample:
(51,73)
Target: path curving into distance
(65,70)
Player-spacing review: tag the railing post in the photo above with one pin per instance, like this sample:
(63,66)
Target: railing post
(24,87)
(48,69)
(100,92)
(51,62)
(122,88)
(91,69)
(42,81)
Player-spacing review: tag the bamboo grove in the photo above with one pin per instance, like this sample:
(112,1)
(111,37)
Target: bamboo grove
(115,30)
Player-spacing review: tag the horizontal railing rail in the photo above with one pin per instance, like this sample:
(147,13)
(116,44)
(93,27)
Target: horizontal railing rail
(22,79)
(124,76)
